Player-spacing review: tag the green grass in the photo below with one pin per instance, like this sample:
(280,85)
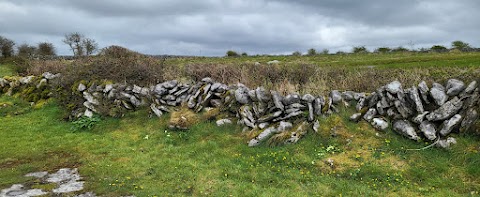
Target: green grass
(6,70)
(140,156)
(388,60)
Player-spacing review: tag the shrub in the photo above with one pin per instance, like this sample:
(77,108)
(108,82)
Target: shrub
(296,53)
(312,52)
(85,123)
(383,50)
(359,49)
(231,53)
(438,48)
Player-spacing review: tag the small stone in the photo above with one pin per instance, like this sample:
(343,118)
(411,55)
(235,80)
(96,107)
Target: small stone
(81,87)
(370,114)
(283,126)
(87,96)
(68,187)
(136,89)
(262,136)
(420,117)
(135,101)
(406,129)
(438,94)
(454,87)
(48,75)
(316,126)
(447,143)
(379,124)
(394,87)
(263,125)
(88,113)
(361,103)
(415,97)
(155,110)
(428,129)
(37,174)
(107,88)
(450,124)
(222,122)
(273,62)
(356,117)
(207,80)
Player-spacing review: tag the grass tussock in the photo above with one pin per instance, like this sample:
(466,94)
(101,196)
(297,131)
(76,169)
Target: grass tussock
(183,119)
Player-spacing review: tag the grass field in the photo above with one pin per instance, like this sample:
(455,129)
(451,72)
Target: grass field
(141,156)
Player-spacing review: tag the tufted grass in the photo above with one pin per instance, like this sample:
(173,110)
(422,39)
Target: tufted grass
(6,70)
(141,156)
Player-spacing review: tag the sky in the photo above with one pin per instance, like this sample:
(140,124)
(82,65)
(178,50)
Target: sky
(211,27)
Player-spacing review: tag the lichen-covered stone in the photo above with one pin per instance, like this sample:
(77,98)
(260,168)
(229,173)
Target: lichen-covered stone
(450,124)
(438,94)
(428,129)
(379,124)
(405,128)
(446,111)
(454,87)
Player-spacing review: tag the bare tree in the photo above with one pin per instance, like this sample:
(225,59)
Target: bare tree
(6,46)
(80,45)
(74,41)
(90,46)
(26,50)
(46,49)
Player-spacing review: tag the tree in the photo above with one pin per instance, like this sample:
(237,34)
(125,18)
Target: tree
(296,53)
(400,49)
(46,49)
(438,48)
(90,46)
(231,53)
(460,45)
(74,41)
(6,47)
(311,52)
(383,50)
(244,54)
(359,49)
(79,44)
(325,51)
(26,50)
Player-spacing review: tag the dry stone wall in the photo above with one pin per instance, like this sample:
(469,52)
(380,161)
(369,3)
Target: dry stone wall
(419,113)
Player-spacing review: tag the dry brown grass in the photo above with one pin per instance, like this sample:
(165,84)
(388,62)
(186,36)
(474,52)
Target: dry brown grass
(184,118)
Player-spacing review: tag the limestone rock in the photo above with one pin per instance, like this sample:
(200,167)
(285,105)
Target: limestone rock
(423,89)
(273,62)
(420,117)
(88,113)
(454,87)
(262,94)
(379,124)
(223,122)
(470,117)
(394,87)
(263,125)
(438,94)
(207,80)
(370,114)
(135,101)
(108,88)
(356,117)
(406,129)
(446,143)
(155,110)
(283,126)
(37,174)
(81,87)
(269,117)
(26,80)
(316,126)
(318,104)
(265,134)
(291,98)
(277,100)
(170,84)
(252,95)
(90,98)
(336,96)
(241,95)
(49,76)
(415,97)
(19,191)
(471,87)
(450,124)
(428,129)
(348,95)
(42,83)
(446,111)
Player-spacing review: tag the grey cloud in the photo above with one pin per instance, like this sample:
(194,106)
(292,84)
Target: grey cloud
(211,27)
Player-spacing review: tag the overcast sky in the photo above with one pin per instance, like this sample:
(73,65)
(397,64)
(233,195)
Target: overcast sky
(211,27)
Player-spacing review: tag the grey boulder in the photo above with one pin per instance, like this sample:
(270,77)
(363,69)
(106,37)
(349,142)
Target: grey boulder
(406,129)
(454,87)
